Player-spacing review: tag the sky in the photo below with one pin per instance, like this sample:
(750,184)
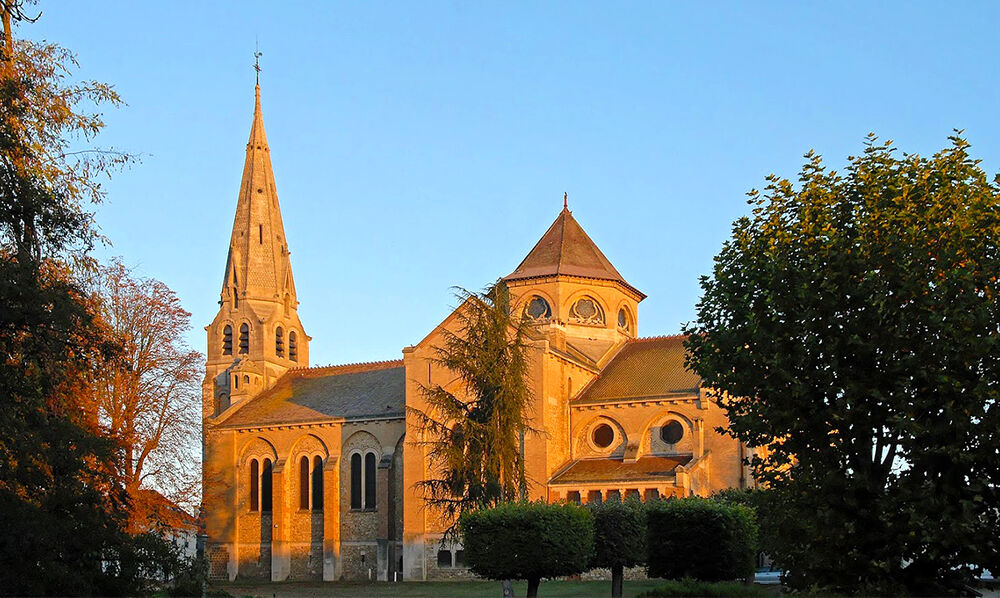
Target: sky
(419,146)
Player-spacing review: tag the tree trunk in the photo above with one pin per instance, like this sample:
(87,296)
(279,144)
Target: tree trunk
(508,588)
(533,587)
(617,580)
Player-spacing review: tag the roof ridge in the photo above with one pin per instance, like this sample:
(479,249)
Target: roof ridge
(369,365)
(660,337)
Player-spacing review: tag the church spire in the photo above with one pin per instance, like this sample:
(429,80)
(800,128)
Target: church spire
(258,267)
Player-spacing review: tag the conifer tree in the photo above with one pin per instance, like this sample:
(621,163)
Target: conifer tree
(475,436)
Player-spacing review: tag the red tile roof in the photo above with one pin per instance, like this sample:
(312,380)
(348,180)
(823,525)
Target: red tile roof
(353,391)
(644,367)
(599,471)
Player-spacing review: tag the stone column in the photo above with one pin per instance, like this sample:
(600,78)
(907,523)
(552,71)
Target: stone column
(382,504)
(281,550)
(332,565)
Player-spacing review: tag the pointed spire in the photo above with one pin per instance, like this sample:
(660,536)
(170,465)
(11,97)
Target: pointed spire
(258,266)
(566,249)
(565,200)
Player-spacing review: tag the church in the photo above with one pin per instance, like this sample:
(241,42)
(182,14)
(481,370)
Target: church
(311,473)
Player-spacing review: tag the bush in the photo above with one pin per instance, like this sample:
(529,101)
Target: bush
(703,589)
(702,539)
(619,538)
(528,540)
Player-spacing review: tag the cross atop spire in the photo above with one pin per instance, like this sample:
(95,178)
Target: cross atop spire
(256,60)
(565,200)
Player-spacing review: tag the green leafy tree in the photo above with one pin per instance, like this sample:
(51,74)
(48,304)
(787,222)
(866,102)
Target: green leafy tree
(619,538)
(851,327)
(64,506)
(474,436)
(528,540)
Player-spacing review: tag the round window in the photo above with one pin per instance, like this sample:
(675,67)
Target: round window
(538,309)
(603,436)
(672,432)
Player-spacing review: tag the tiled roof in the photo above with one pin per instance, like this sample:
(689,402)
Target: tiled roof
(645,367)
(598,471)
(355,391)
(566,249)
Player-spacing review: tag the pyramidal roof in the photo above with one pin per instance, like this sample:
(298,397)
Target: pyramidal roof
(258,266)
(566,249)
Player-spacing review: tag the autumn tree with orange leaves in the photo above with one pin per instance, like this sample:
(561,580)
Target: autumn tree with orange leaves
(62,498)
(149,399)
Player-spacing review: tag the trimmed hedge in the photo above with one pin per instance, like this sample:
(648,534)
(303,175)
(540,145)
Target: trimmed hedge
(528,540)
(689,588)
(701,539)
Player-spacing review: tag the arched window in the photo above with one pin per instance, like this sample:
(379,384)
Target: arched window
(624,322)
(293,347)
(279,342)
(356,481)
(304,483)
(254,485)
(244,339)
(265,486)
(587,310)
(317,483)
(370,481)
(538,309)
(227,340)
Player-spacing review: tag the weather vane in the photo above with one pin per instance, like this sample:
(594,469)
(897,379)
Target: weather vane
(256,60)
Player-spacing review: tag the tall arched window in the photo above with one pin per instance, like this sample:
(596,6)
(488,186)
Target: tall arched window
(227,340)
(317,483)
(293,347)
(370,481)
(254,485)
(356,481)
(265,486)
(304,483)
(244,339)
(279,342)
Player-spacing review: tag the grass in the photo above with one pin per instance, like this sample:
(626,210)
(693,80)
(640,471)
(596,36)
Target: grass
(430,589)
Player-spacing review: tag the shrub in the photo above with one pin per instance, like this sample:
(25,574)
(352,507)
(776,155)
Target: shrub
(689,588)
(528,540)
(619,538)
(701,539)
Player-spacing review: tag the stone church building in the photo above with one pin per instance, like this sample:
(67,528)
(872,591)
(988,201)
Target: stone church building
(311,472)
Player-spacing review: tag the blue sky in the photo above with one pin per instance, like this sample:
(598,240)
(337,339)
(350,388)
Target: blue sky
(423,145)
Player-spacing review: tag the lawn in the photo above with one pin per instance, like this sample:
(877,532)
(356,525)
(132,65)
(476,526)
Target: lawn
(428,589)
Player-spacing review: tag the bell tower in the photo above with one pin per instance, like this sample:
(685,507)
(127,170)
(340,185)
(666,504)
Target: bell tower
(257,335)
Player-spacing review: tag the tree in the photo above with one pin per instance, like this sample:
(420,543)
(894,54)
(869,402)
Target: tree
(148,400)
(475,437)
(528,540)
(701,539)
(851,329)
(619,538)
(64,505)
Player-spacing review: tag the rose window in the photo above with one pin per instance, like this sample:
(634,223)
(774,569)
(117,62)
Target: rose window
(587,311)
(538,309)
